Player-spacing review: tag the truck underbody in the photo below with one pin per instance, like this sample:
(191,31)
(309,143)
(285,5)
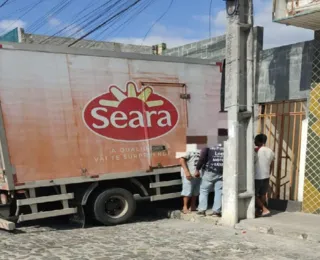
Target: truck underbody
(109,202)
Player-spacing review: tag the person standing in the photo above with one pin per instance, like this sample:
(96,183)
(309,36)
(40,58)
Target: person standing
(190,180)
(211,162)
(264,159)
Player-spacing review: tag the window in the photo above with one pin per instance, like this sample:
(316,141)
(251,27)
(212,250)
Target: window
(222,132)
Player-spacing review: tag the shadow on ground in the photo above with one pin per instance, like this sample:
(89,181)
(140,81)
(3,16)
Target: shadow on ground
(146,211)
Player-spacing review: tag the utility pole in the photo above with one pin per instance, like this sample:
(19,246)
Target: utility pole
(238,190)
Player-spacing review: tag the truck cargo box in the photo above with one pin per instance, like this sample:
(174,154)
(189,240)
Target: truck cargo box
(75,114)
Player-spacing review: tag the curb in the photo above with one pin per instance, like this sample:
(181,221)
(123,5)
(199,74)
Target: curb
(264,229)
(278,231)
(192,217)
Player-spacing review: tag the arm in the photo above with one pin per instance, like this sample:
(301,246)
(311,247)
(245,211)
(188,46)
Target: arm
(271,167)
(185,168)
(272,164)
(203,159)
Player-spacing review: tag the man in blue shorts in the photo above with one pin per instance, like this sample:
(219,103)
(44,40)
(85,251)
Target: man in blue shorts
(190,180)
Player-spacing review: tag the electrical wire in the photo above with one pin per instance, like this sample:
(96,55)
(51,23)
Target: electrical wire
(105,22)
(109,10)
(133,15)
(76,22)
(58,8)
(17,11)
(91,23)
(24,14)
(92,20)
(12,1)
(158,20)
(4,3)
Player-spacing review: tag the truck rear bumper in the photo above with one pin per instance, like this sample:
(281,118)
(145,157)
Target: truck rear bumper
(7,225)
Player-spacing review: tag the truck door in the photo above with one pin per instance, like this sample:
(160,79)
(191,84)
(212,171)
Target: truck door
(166,110)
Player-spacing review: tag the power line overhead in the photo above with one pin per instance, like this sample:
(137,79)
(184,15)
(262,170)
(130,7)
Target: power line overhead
(4,3)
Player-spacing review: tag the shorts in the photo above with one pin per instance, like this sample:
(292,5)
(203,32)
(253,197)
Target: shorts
(261,187)
(191,187)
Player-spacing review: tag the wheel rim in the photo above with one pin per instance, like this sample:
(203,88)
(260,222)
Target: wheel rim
(116,207)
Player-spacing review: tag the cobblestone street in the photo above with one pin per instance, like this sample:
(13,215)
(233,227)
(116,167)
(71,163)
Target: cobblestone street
(146,240)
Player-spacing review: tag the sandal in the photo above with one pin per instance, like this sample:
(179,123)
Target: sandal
(266,214)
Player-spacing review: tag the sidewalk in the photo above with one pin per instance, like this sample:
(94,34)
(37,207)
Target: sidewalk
(293,225)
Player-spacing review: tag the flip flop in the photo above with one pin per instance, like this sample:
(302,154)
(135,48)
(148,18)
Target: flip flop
(266,215)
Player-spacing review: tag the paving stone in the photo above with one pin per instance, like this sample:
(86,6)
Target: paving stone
(158,240)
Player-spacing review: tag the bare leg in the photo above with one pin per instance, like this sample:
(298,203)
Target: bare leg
(193,203)
(185,204)
(264,199)
(260,204)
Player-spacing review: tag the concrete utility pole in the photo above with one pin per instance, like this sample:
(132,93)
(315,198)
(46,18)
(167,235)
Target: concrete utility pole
(238,190)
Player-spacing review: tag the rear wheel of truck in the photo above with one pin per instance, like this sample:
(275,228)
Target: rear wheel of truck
(114,206)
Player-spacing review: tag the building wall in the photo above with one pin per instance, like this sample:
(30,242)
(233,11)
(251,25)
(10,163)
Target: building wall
(18,35)
(284,72)
(213,48)
(11,36)
(289,72)
(110,46)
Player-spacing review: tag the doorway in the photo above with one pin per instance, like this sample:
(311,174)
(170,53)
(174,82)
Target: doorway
(282,123)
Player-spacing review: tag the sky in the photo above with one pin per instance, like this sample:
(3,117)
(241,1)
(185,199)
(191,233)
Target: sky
(186,21)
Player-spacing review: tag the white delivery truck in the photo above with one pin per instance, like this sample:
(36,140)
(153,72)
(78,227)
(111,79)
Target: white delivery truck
(91,130)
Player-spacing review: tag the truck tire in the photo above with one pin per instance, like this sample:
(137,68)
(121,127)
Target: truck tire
(114,206)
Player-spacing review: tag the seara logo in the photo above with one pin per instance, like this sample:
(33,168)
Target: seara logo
(131,115)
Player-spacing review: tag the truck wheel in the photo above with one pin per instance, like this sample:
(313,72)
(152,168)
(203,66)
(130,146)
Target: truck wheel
(114,206)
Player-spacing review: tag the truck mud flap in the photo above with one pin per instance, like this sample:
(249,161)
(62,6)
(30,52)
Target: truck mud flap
(78,219)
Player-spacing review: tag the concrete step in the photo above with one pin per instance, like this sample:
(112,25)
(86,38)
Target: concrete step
(288,224)
(293,225)
(193,217)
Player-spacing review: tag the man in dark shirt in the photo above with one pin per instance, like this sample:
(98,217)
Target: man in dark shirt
(211,163)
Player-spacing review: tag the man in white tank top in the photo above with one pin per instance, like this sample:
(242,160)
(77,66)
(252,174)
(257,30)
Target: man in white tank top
(264,158)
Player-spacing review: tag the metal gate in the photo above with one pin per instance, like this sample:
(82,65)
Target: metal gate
(282,123)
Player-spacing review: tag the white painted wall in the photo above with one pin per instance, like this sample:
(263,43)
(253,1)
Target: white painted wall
(304,136)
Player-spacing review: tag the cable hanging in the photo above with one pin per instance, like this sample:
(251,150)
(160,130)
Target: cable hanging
(104,23)
(160,17)
(4,3)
